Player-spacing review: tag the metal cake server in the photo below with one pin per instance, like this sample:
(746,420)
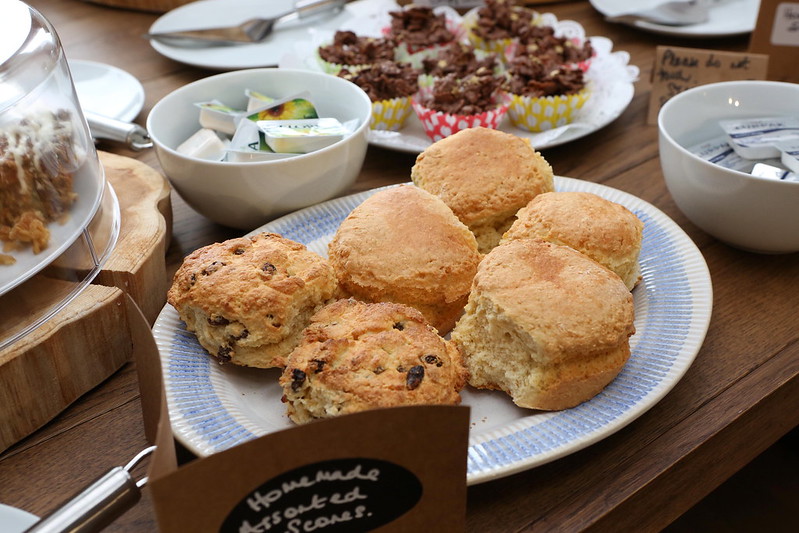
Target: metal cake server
(254,30)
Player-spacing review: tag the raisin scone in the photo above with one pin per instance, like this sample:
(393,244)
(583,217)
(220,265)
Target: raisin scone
(248,299)
(356,356)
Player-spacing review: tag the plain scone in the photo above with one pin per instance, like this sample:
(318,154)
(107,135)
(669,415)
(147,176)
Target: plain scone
(545,324)
(405,245)
(485,176)
(356,356)
(248,299)
(605,231)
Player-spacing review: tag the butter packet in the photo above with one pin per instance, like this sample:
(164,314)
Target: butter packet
(214,115)
(204,144)
(720,152)
(249,144)
(297,107)
(789,151)
(302,136)
(755,138)
(256,100)
(763,170)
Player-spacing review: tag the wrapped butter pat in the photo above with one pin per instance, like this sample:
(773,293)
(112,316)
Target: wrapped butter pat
(249,144)
(755,138)
(763,170)
(204,144)
(719,152)
(302,136)
(215,115)
(297,107)
(790,154)
(256,100)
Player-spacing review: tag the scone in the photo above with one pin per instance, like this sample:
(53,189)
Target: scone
(248,299)
(356,356)
(405,245)
(485,176)
(545,324)
(605,231)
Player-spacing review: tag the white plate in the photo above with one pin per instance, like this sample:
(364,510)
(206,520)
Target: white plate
(210,13)
(610,75)
(15,520)
(107,90)
(733,17)
(213,407)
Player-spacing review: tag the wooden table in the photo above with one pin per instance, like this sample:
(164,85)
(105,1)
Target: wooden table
(738,398)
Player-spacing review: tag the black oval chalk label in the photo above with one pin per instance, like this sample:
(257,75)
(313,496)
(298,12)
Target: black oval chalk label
(330,496)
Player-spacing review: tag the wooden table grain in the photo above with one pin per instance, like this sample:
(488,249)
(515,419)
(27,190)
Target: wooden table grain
(740,395)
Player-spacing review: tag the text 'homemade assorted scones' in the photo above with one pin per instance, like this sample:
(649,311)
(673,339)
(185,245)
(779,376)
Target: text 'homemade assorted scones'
(248,299)
(605,231)
(545,324)
(405,245)
(356,356)
(485,176)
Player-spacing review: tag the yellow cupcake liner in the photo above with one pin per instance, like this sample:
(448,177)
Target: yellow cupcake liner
(390,114)
(545,112)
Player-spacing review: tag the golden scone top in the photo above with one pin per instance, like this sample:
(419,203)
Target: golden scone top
(605,231)
(569,304)
(404,244)
(482,173)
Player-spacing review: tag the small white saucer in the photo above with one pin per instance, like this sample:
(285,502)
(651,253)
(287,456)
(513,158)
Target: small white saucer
(15,520)
(107,90)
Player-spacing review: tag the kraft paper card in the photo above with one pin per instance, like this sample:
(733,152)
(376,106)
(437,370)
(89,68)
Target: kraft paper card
(777,34)
(677,69)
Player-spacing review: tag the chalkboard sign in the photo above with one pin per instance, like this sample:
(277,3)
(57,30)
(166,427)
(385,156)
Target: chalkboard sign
(330,497)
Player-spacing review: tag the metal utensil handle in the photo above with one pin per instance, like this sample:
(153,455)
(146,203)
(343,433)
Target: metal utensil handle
(133,135)
(309,8)
(98,505)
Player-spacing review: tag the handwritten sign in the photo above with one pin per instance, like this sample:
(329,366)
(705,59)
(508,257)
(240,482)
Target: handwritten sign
(331,496)
(400,469)
(777,34)
(678,69)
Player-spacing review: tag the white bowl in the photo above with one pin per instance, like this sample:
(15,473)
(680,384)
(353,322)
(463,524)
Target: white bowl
(245,195)
(748,212)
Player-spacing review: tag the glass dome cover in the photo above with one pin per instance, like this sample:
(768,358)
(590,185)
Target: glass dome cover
(51,182)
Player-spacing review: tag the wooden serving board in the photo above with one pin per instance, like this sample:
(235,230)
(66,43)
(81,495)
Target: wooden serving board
(88,340)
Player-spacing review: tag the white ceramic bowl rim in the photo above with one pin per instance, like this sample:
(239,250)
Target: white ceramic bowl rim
(274,162)
(675,100)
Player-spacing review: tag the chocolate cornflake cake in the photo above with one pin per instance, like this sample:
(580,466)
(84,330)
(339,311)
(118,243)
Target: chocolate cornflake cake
(501,19)
(348,48)
(385,80)
(470,95)
(530,76)
(459,59)
(541,42)
(419,27)
(36,164)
